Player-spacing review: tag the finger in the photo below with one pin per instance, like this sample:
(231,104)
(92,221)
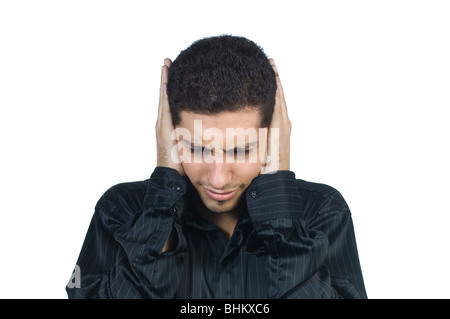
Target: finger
(164,77)
(165,74)
(162,91)
(280,102)
(278,109)
(280,92)
(163,104)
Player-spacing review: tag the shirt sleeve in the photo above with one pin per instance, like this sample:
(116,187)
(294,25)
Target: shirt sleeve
(332,216)
(121,255)
(306,258)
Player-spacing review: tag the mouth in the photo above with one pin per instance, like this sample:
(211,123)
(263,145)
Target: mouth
(220,196)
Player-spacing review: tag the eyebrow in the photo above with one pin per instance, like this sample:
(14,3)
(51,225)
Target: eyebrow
(246,146)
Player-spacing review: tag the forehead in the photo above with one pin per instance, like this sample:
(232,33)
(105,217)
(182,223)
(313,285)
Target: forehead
(246,118)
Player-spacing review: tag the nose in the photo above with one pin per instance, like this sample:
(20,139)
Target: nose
(219,175)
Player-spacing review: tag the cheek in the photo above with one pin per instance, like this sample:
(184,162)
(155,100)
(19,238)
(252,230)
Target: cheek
(245,173)
(262,151)
(194,171)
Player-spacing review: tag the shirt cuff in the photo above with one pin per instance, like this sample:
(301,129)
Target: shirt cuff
(273,196)
(165,187)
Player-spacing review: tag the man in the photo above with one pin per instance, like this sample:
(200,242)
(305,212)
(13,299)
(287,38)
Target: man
(222,216)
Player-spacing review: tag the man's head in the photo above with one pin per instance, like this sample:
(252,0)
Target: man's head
(220,74)
(227,83)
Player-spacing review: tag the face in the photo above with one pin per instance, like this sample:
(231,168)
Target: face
(220,155)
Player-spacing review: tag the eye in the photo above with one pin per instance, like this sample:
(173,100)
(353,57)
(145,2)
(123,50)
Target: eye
(240,151)
(195,149)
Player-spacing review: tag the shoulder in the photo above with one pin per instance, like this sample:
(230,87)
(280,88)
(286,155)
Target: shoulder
(122,201)
(320,199)
(321,192)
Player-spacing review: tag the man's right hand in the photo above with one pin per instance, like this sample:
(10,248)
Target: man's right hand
(164,142)
(165,127)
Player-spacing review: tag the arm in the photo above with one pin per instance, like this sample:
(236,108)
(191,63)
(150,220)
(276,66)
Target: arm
(331,215)
(122,253)
(128,253)
(314,258)
(308,239)
(295,256)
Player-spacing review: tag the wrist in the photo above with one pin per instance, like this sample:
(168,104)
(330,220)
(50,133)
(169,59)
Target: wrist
(177,167)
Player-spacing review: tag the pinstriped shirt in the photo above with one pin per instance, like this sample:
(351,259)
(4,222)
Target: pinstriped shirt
(295,240)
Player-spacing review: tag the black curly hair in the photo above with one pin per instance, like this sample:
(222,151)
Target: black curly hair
(222,73)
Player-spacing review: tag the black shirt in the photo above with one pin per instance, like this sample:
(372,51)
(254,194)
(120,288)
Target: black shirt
(296,240)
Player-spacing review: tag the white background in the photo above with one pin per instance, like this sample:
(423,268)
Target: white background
(367,85)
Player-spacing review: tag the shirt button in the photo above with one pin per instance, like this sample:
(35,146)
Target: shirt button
(174,209)
(176,188)
(253,194)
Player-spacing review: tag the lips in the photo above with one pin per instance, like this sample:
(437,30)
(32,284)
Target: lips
(220,196)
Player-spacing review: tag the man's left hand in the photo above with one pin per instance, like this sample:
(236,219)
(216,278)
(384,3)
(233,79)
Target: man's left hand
(281,121)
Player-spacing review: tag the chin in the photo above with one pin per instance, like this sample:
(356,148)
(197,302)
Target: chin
(218,207)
